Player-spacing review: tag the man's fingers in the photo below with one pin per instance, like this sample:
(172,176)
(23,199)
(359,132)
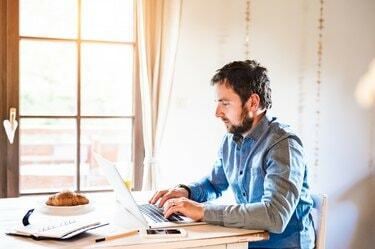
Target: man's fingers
(154,196)
(170,203)
(157,196)
(165,197)
(185,207)
(171,210)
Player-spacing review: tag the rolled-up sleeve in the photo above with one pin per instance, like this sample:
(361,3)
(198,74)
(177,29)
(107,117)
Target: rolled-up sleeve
(284,172)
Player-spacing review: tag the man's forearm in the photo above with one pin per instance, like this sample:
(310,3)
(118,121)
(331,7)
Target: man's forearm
(203,191)
(250,216)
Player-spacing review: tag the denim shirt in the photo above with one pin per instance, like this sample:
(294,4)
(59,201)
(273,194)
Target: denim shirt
(267,173)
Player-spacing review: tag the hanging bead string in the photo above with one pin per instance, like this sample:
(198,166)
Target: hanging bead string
(247,29)
(318,87)
(301,97)
(223,37)
(301,71)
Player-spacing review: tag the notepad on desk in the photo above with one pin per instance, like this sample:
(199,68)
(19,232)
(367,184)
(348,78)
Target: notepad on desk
(63,229)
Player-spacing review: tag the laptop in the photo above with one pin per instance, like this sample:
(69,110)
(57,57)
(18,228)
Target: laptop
(149,215)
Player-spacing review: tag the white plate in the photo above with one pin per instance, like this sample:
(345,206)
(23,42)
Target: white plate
(66,210)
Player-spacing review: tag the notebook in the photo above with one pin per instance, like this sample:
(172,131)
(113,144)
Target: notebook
(62,229)
(143,213)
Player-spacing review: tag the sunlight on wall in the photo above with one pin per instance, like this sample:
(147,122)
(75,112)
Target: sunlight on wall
(212,34)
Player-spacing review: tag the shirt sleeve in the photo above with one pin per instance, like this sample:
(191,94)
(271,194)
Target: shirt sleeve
(283,179)
(211,186)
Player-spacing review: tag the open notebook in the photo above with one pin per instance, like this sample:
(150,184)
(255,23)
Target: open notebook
(60,229)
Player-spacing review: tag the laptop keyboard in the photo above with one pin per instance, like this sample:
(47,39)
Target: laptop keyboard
(156,214)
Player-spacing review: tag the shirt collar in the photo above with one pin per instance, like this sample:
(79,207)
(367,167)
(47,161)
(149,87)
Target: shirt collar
(258,130)
(261,127)
(237,138)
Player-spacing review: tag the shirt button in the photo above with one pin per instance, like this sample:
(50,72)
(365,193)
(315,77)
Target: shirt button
(241,172)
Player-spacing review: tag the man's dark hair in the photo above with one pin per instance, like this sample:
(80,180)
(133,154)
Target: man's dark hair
(246,78)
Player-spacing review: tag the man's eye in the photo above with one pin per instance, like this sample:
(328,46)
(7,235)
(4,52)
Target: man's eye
(223,103)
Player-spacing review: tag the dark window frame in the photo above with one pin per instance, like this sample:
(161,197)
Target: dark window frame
(9,97)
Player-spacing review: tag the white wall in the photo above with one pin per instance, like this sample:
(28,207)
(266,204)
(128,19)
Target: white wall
(284,39)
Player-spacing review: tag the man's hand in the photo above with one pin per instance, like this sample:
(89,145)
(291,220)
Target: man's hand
(163,195)
(188,208)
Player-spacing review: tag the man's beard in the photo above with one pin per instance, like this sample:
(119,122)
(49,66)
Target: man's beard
(245,125)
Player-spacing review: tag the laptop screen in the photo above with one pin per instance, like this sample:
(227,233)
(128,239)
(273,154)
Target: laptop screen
(122,192)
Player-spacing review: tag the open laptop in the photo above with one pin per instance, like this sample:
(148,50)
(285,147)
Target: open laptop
(150,216)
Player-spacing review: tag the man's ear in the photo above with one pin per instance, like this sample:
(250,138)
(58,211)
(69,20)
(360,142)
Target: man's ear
(253,102)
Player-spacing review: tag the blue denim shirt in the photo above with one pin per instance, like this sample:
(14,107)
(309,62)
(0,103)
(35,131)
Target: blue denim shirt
(267,173)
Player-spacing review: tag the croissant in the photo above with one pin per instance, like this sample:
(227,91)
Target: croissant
(67,198)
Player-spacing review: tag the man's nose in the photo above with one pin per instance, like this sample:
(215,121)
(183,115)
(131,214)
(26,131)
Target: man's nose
(218,112)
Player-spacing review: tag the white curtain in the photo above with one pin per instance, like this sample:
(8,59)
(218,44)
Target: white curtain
(158,24)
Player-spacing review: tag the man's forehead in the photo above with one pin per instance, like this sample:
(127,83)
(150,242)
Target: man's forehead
(225,91)
(226,94)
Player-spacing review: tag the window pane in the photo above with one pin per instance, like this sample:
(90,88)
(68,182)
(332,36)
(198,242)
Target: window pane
(47,155)
(47,18)
(107,79)
(112,139)
(48,78)
(107,20)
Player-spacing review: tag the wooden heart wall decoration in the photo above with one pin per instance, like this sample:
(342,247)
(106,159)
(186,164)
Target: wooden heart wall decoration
(10,125)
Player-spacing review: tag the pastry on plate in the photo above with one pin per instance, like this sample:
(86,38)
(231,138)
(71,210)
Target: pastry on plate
(67,198)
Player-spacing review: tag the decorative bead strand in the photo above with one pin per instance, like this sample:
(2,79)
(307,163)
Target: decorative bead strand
(318,88)
(301,97)
(247,30)
(302,71)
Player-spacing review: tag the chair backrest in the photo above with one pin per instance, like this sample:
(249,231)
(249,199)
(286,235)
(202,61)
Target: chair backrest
(320,209)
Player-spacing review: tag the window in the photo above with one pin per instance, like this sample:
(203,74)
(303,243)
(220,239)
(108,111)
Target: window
(76,92)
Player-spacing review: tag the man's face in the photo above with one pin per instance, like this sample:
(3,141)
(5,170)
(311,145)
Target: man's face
(230,110)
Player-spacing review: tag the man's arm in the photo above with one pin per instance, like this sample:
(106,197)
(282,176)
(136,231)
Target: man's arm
(211,186)
(208,188)
(284,168)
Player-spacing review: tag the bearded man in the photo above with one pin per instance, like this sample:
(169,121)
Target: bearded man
(260,160)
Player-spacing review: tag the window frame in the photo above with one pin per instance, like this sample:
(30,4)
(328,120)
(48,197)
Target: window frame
(9,160)
(9,92)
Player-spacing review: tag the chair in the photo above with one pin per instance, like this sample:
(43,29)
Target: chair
(319,214)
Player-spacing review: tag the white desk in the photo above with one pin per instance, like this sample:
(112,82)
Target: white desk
(201,236)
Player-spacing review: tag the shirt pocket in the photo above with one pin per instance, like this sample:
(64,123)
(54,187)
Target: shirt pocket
(256,189)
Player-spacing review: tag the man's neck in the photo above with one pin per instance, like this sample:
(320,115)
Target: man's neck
(257,117)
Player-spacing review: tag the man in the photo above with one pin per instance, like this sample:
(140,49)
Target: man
(260,159)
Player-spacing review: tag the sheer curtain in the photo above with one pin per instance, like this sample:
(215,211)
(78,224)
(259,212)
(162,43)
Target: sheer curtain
(158,24)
